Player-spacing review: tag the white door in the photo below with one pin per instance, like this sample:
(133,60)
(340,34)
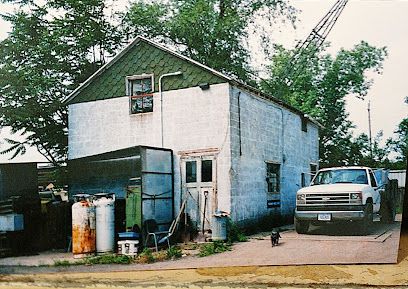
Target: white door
(199,185)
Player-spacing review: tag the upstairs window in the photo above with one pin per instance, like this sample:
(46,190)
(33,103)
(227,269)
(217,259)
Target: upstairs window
(140,91)
(273,177)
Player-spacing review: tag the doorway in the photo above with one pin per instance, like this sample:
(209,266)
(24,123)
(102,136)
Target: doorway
(199,184)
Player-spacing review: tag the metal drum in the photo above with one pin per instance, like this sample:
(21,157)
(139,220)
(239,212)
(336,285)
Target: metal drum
(219,226)
(83,226)
(105,222)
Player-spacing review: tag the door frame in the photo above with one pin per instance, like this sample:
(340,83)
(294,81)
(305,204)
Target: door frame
(200,186)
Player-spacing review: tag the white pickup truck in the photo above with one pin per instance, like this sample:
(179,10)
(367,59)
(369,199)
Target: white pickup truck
(342,194)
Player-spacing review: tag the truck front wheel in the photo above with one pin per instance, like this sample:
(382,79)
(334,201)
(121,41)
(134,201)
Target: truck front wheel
(301,226)
(367,223)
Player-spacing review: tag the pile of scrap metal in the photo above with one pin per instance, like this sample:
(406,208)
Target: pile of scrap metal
(55,218)
(390,197)
(30,221)
(20,209)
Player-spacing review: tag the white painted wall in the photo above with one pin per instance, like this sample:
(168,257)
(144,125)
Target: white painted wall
(192,118)
(199,119)
(269,133)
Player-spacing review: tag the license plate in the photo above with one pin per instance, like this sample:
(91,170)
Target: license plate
(324,217)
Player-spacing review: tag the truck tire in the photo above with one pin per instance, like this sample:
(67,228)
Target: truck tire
(366,224)
(387,214)
(301,226)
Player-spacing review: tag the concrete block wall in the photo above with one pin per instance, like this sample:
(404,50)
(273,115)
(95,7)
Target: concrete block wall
(192,118)
(269,133)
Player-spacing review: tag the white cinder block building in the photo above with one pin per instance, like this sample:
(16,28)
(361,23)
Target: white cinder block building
(245,151)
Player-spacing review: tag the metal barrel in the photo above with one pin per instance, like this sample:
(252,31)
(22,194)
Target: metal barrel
(83,226)
(219,227)
(105,222)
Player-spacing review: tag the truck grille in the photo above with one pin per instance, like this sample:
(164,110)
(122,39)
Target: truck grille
(328,199)
(332,208)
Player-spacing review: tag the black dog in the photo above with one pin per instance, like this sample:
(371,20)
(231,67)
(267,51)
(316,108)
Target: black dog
(275,237)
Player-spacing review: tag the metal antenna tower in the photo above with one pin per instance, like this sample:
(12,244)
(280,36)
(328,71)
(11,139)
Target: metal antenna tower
(369,129)
(313,42)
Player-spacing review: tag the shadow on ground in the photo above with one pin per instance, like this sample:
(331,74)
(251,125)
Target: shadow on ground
(347,229)
(403,245)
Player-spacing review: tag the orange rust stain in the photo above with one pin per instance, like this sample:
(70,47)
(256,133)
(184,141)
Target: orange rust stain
(83,239)
(85,204)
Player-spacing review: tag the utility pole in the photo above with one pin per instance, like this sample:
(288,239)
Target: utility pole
(369,129)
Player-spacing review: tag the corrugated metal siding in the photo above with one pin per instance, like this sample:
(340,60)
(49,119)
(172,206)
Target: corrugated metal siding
(399,175)
(144,58)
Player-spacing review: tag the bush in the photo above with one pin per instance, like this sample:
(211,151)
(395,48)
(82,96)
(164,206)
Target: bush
(214,248)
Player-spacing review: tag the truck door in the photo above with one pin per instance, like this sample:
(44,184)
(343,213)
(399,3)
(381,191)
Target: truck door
(377,191)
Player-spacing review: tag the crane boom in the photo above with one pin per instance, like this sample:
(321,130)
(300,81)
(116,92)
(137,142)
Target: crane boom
(312,43)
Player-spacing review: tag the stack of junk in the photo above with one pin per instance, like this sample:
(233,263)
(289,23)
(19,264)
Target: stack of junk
(140,182)
(140,205)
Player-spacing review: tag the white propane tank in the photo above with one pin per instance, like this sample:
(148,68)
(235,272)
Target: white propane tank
(83,226)
(105,222)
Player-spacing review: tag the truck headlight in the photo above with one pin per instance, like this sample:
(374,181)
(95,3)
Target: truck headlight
(356,197)
(301,198)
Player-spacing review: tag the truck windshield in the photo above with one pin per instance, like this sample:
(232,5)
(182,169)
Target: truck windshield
(346,176)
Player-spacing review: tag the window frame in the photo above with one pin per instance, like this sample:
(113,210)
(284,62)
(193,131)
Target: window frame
(142,96)
(304,123)
(313,173)
(373,180)
(187,181)
(202,171)
(278,182)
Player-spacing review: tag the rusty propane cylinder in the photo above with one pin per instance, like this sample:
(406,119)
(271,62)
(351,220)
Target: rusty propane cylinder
(83,226)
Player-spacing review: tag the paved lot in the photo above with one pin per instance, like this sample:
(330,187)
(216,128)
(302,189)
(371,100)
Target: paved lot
(315,276)
(332,245)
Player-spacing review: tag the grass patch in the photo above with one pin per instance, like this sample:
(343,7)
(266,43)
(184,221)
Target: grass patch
(214,248)
(108,259)
(62,263)
(102,259)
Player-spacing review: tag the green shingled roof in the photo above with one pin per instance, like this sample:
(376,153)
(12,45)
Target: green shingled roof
(143,57)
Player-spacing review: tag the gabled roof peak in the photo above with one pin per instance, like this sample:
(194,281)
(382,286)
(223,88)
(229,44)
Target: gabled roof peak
(138,39)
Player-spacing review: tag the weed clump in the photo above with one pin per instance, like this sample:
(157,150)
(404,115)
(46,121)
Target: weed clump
(174,252)
(146,256)
(214,248)
(234,233)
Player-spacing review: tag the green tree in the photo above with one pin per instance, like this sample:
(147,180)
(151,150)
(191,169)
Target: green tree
(399,144)
(213,32)
(375,156)
(51,49)
(320,89)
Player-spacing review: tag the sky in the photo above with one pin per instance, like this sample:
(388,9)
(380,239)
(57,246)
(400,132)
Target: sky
(379,22)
